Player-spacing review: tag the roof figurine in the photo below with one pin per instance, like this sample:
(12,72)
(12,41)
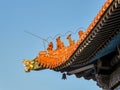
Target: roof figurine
(71,42)
(50,46)
(31,65)
(59,43)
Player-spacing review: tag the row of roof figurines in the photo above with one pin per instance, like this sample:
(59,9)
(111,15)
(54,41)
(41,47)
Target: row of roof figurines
(53,58)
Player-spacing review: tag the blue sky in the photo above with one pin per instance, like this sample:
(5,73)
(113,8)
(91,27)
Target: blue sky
(43,18)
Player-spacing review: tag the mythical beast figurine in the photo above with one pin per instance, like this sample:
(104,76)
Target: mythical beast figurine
(31,65)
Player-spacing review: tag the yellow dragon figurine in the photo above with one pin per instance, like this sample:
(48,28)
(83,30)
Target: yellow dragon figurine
(31,65)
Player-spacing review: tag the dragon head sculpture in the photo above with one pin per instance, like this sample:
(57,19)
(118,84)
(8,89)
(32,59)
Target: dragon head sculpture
(31,65)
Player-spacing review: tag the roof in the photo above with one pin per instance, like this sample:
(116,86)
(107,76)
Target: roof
(103,37)
(100,39)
